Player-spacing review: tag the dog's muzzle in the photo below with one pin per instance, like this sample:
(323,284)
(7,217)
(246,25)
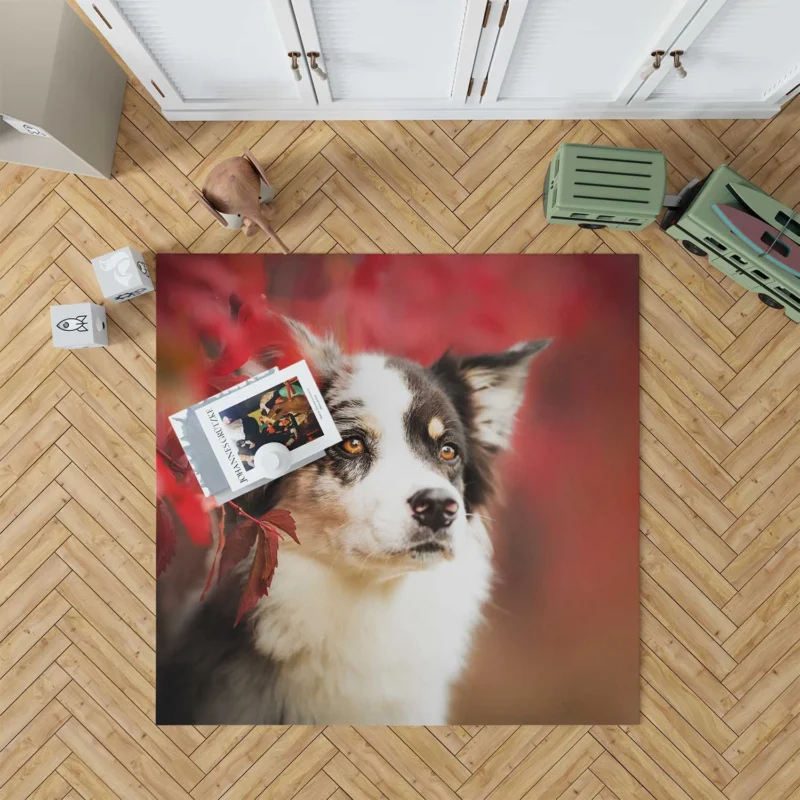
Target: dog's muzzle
(434,510)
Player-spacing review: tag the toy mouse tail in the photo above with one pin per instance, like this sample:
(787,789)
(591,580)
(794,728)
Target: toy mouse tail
(269,230)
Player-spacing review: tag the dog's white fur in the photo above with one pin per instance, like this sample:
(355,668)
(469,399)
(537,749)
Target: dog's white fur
(368,636)
(368,652)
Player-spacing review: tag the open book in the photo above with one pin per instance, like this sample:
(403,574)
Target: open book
(222,434)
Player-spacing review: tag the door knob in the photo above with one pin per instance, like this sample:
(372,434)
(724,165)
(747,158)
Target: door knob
(651,68)
(676,58)
(296,74)
(318,71)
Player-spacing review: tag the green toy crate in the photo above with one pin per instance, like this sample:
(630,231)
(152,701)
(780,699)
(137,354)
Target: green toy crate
(702,232)
(605,187)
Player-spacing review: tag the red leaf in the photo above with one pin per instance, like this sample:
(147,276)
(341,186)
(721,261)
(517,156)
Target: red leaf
(165,481)
(165,538)
(192,513)
(261,572)
(268,332)
(237,546)
(235,348)
(217,552)
(271,544)
(282,518)
(187,503)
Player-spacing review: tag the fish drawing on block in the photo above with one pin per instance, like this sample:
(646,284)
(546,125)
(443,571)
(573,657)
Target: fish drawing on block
(77,324)
(765,240)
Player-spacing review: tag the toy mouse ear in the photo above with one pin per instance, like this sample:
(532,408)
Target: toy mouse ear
(214,213)
(256,166)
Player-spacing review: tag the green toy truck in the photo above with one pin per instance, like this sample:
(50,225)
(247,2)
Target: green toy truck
(702,232)
(609,187)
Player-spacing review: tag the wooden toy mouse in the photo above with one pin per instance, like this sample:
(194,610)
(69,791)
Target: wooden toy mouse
(233,188)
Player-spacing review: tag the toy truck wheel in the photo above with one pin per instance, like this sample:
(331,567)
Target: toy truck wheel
(769,301)
(693,248)
(592,226)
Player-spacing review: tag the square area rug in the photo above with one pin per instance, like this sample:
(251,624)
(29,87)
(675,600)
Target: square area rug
(467,554)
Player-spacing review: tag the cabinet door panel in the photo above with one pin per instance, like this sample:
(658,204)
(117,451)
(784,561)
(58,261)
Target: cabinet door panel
(750,49)
(231,54)
(579,51)
(382,51)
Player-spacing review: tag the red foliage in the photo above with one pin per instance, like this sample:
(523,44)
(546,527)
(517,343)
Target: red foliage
(186,500)
(282,519)
(210,328)
(165,538)
(237,546)
(261,572)
(267,332)
(265,534)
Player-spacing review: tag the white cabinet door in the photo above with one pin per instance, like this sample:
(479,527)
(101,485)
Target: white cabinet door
(208,54)
(385,54)
(575,54)
(741,51)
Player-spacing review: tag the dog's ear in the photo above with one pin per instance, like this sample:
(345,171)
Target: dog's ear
(495,388)
(322,354)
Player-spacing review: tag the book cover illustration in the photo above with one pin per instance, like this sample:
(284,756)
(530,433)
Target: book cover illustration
(223,434)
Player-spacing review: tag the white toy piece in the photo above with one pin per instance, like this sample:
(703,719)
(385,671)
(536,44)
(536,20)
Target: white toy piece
(122,275)
(273,459)
(78,325)
(24,127)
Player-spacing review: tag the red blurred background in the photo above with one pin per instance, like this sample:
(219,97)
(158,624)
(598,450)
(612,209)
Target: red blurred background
(560,644)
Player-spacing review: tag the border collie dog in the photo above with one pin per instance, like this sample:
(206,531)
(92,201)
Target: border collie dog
(370,620)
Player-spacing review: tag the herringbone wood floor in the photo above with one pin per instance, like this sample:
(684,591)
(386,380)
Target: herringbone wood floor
(720,471)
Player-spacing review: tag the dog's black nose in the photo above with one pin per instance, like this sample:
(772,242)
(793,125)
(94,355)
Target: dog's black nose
(433,508)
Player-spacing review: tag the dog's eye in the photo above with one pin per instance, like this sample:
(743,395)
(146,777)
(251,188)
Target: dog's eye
(448,452)
(354,445)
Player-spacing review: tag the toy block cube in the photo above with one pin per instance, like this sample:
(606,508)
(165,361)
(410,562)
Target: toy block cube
(79,325)
(122,274)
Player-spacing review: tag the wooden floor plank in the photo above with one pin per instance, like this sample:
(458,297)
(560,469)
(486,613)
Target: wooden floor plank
(683,447)
(437,143)
(371,164)
(12,176)
(686,702)
(31,430)
(30,231)
(493,152)
(25,199)
(154,199)
(426,168)
(108,515)
(758,585)
(16,281)
(700,753)
(108,440)
(681,554)
(78,449)
(83,781)
(771,613)
(99,761)
(496,185)
(31,720)
(38,295)
(159,131)
(144,153)
(476,133)
(31,593)
(684,412)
